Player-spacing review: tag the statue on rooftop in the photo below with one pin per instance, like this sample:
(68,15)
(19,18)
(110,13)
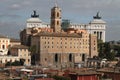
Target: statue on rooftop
(97,16)
(34,15)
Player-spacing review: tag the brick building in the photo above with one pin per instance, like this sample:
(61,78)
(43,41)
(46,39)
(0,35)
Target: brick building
(84,76)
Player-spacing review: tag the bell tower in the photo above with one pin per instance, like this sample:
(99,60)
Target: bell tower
(56,18)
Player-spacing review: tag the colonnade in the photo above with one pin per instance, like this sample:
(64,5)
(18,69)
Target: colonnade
(100,35)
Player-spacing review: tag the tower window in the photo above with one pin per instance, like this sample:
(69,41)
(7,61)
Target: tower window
(57,14)
(57,22)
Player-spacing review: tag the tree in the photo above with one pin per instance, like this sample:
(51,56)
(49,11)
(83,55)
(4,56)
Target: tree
(16,63)
(111,56)
(8,64)
(108,54)
(116,49)
(104,50)
(22,61)
(101,48)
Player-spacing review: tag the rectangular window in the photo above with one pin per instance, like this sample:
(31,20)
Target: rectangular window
(65,42)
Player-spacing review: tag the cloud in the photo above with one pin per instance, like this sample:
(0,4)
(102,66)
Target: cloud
(26,2)
(15,6)
(10,29)
(9,16)
(78,11)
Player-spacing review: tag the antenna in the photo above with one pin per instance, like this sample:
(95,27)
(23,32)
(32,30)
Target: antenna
(55,3)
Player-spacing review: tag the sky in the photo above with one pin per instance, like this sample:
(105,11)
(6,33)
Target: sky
(14,13)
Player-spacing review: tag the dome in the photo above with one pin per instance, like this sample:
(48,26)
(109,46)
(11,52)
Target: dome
(34,20)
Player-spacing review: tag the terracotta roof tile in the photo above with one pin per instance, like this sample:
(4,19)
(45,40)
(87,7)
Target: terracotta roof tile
(14,40)
(59,34)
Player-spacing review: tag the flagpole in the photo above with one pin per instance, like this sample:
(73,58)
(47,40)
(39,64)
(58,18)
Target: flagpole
(56,3)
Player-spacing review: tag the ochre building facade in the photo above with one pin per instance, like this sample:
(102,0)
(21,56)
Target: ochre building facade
(62,49)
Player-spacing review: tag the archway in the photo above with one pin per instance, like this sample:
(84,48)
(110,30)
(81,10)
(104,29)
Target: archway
(70,57)
(56,57)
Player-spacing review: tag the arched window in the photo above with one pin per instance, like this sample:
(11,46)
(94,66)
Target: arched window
(3,46)
(97,34)
(57,22)
(70,57)
(5,60)
(57,14)
(83,57)
(28,60)
(100,35)
(94,32)
(56,57)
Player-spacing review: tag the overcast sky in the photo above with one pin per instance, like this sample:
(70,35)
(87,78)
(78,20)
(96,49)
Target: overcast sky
(14,13)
